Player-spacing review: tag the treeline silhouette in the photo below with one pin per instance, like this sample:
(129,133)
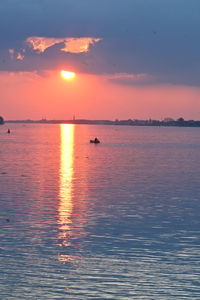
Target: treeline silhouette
(181,122)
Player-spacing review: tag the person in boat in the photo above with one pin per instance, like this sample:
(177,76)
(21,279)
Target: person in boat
(96,140)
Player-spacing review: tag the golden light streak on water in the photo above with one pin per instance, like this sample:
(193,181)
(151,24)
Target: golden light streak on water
(66,176)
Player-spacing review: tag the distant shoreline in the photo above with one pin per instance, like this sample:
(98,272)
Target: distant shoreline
(178,123)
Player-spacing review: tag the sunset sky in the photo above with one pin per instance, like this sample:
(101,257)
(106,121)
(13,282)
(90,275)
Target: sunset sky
(133,59)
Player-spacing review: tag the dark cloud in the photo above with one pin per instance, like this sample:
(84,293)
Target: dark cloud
(158,38)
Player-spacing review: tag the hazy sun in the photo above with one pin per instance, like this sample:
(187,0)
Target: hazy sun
(67,75)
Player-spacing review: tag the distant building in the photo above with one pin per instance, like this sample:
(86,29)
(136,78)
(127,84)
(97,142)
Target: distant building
(1,120)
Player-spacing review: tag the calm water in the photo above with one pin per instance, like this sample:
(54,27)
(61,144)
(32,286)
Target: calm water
(118,220)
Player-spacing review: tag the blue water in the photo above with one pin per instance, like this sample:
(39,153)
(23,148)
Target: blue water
(118,220)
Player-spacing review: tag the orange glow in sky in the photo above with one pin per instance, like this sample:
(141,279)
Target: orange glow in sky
(34,96)
(67,75)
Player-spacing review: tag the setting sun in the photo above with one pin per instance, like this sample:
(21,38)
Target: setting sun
(67,75)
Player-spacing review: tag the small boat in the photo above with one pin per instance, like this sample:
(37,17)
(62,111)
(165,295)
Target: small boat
(95,141)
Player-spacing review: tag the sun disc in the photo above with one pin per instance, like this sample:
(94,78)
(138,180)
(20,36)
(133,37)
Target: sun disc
(67,74)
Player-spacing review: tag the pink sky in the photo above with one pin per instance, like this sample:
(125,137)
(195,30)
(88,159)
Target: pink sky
(28,95)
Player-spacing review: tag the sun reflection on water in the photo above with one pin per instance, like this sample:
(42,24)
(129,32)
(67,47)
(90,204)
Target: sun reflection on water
(66,176)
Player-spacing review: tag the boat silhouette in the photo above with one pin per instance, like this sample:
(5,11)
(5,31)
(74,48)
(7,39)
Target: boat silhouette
(95,141)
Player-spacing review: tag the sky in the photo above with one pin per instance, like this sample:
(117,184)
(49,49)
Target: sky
(135,59)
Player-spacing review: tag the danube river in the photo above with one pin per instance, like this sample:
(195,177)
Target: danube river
(117,220)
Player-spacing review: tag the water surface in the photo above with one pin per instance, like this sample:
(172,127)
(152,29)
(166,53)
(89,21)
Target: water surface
(118,220)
